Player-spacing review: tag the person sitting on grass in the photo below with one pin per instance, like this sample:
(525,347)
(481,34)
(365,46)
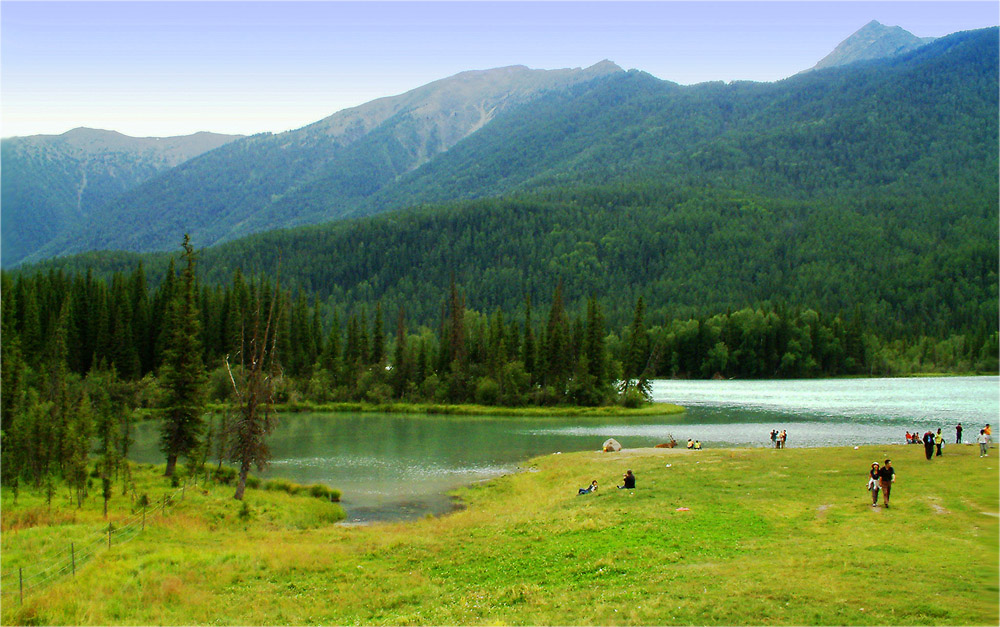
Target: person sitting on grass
(589,489)
(629,481)
(690,443)
(697,445)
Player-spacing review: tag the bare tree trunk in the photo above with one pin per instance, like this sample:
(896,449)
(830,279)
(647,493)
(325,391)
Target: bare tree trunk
(242,484)
(171,464)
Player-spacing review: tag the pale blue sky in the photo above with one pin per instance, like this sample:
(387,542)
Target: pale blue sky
(172,68)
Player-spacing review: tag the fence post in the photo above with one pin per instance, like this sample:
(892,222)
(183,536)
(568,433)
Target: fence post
(183,489)
(109,535)
(20,582)
(72,552)
(143,517)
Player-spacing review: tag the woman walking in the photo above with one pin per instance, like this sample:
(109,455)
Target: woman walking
(873,483)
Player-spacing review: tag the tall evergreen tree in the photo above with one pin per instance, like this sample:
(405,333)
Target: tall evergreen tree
(182,373)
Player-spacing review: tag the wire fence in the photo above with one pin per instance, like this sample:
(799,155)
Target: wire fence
(42,572)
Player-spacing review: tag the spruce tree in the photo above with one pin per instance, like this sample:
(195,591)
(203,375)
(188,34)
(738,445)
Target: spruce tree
(182,373)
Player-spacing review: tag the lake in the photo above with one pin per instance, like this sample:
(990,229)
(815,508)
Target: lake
(401,466)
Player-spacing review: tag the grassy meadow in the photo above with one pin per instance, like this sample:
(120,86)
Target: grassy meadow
(769,537)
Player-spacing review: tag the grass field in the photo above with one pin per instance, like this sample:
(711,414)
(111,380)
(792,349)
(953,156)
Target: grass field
(769,537)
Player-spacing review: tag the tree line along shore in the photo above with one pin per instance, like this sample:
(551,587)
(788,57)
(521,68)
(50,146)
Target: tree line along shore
(84,357)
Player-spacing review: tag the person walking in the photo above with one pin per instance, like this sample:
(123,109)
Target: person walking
(958,433)
(938,441)
(887,476)
(984,443)
(873,483)
(928,444)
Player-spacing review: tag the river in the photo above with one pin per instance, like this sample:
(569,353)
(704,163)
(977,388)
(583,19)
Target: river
(396,466)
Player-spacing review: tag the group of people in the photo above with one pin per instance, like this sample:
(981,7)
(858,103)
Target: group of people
(628,483)
(985,439)
(778,439)
(881,478)
(694,444)
(934,441)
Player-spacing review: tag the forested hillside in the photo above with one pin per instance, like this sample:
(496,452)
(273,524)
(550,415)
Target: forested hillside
(908,267)
(52,184)
(918,128)
(263,182)
(923,123)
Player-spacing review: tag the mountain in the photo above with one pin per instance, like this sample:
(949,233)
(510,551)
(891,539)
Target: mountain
(920,121)
(868,188)
(872,41)
(268,181)
(52,183)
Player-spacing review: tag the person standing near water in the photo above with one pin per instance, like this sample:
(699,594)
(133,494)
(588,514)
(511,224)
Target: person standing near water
(887,476)
(958,433)
(928,444)
(782,438)
(984,443)
(938,441)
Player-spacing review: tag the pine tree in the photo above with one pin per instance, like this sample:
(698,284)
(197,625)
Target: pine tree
(378,338)
(528,347)
(182,373)
(253,386)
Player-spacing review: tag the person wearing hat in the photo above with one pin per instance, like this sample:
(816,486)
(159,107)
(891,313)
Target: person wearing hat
(873,483)
(887,476)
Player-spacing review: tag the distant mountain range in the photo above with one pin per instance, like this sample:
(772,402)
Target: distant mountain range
(52,184)
(869,188)
(476,134)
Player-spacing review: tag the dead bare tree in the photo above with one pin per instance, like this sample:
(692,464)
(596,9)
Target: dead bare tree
(253,387)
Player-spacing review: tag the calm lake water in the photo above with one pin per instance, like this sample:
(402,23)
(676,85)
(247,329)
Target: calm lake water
(395,466)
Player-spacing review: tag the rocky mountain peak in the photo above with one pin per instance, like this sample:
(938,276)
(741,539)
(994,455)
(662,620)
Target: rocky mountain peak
(874,40)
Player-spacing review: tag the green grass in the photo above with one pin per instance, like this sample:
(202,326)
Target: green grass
(771,537)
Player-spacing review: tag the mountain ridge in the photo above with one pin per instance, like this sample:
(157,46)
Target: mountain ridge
(52,183)
(874,40)
(365,159)
(356,151)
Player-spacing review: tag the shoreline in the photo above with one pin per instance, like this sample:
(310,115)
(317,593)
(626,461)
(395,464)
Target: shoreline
(435,409)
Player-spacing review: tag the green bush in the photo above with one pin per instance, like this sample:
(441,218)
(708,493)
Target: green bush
(487,391)
(224,475)
(321,491)
(633,399)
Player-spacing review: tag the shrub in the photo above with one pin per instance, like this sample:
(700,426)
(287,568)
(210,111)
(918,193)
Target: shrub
(224,475)
(633,399)
(487,391)
(283,485)
(321,491)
